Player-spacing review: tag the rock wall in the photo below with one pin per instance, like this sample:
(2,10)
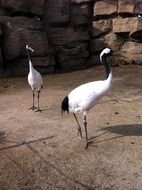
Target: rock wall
(66,34)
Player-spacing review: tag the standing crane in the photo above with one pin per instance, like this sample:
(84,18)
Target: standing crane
(86,96)
(35,80)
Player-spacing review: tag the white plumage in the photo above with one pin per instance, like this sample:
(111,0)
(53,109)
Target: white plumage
(86,96)
(35,80)
(90,92)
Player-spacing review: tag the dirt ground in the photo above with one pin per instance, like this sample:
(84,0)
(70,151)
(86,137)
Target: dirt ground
(40,151)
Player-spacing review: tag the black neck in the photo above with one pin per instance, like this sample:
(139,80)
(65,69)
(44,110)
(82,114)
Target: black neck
(106,65)
(28,55)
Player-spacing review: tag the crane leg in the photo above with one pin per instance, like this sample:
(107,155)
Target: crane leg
(85,125)
(38,95)
(79,127)
(33,107)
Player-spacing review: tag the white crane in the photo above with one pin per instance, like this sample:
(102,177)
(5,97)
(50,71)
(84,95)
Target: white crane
(86,96)
(35,80)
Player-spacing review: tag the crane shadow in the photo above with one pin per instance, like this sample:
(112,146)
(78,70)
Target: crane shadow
(28,144)
(16,144)
(59,171)
(125,130)
(120,130)
(23,142)
(94,142)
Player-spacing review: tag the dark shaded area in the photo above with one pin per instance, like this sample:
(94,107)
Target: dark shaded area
(125,130)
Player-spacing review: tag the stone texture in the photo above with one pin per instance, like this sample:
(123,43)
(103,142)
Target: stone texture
(110,40)
(2,74)
(101,27)
(36,6)
(138,7)
(79,14)
(133,51)
(79,1)
(113,41)
(20,67)
(77,50)
(126,6)
(68,63)
(32,6)
(66,35)
(132,47)
(97,45)
(62,36)
(56,12)
(3,12)
(20,31)
(14,4)
(124,25)
(136,32)
(105,7)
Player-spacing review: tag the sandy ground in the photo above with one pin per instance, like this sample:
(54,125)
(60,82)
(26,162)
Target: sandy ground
(40,151)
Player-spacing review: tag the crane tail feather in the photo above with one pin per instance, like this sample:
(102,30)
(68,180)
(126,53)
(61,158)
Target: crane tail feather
(65,105)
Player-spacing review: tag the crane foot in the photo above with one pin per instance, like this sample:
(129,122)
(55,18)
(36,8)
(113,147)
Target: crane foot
(37,110)
(32,108)
(88,143)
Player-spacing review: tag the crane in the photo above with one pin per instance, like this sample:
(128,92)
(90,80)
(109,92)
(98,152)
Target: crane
(35,80)
(86,96)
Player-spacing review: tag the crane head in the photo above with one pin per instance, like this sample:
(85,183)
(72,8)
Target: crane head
(106,52)
(29,48)
(109,52)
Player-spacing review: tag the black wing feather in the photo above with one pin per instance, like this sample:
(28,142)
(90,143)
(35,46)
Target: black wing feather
(65,105)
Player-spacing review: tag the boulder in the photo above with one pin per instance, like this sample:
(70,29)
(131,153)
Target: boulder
(36,7)
(124,25)
(101,27)
(72,56)
(3,12)
(110,40)
(138,7)
(14,4)
(94,60)
(56,12)
(96,45)
(78,50)
(105,7)
(133,51)
(69,63)
(79,1)
(134,47)
(126,6)
(1,31)
(1,64)
(136,32)
(79,14)
(64,36)
(20,31)
(20,67)
(113,41)
(31,6)
(66,33)
(12,23)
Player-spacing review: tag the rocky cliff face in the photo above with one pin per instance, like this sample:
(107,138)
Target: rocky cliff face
(66,34)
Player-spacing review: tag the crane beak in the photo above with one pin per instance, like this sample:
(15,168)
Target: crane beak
(30,49)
